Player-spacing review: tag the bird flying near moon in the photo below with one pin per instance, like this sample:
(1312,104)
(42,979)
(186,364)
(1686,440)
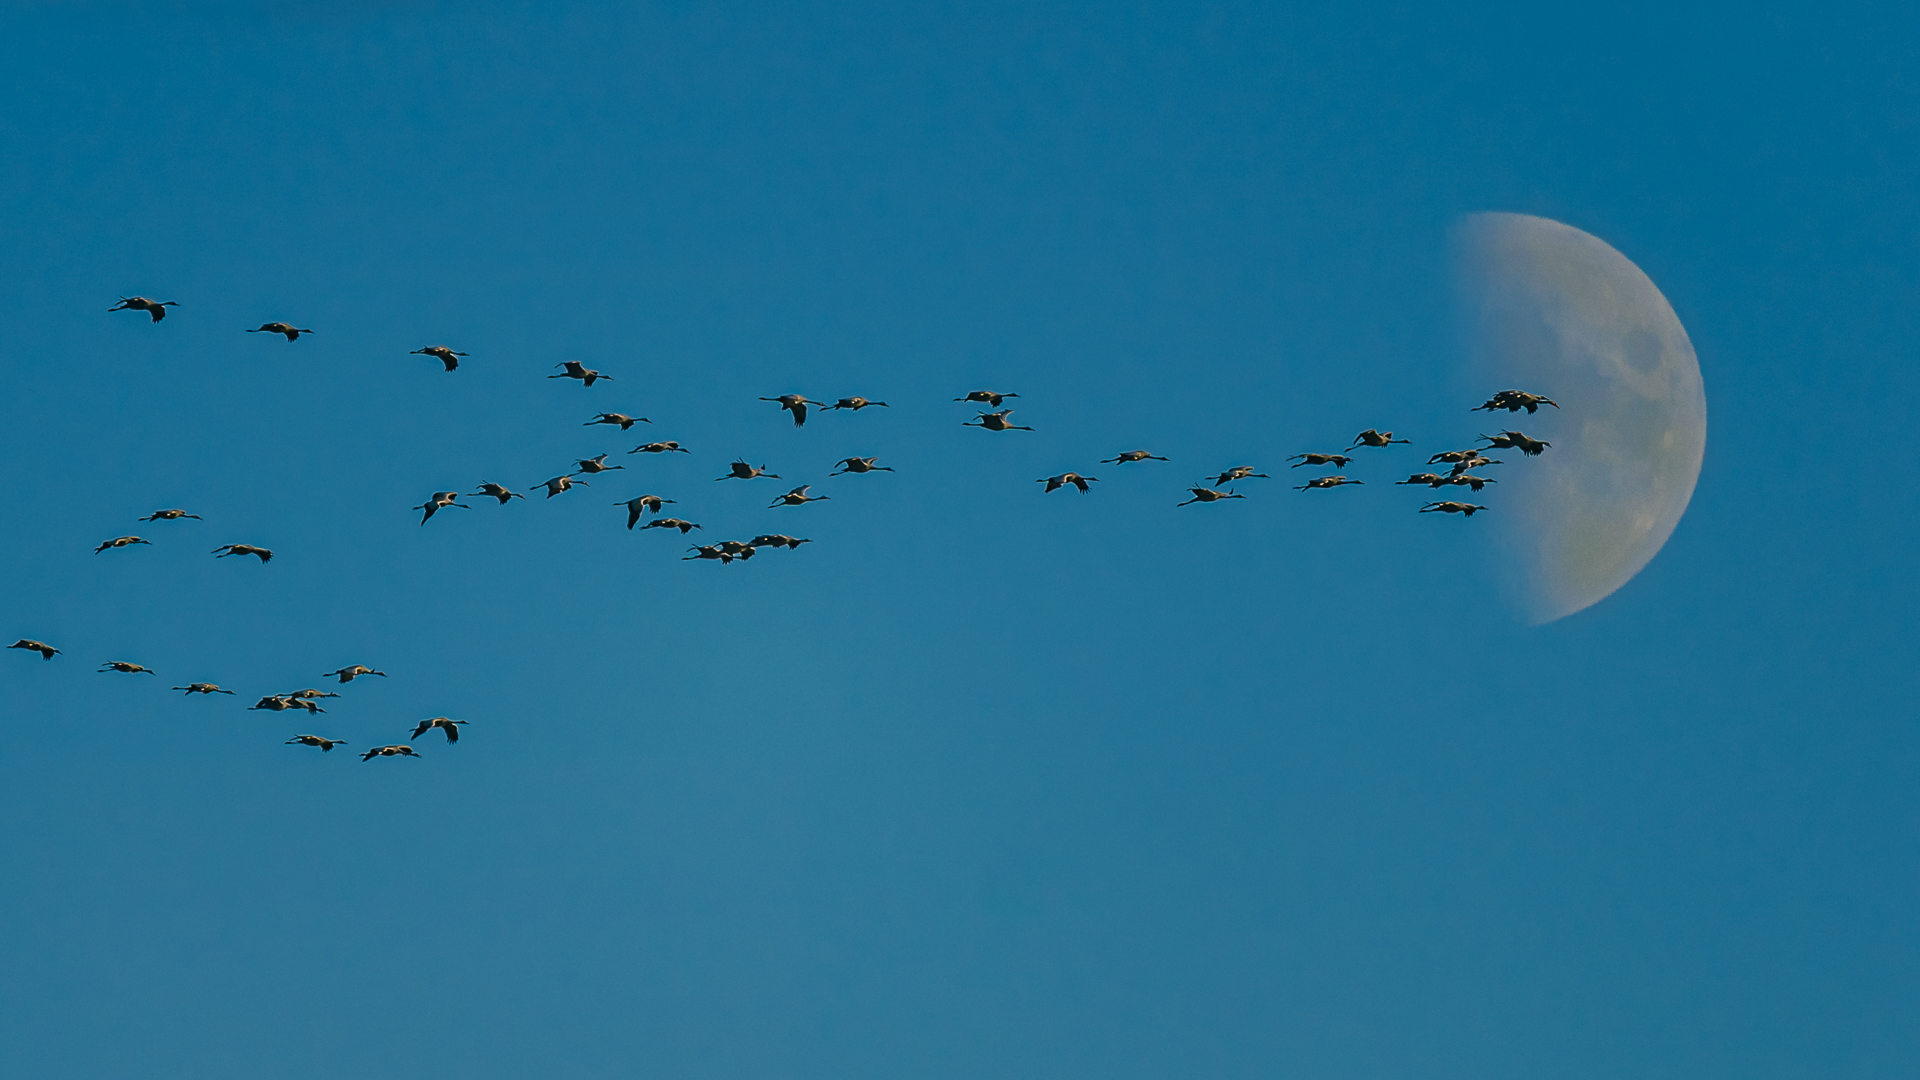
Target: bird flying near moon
(1558,311)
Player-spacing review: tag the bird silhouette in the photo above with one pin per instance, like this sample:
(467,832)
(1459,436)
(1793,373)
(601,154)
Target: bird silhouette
(1208,495)
(496,491)
(670,523)
(576,370)
(1132,456)
(990,397)
(352,672)
(660,448)
(777,540)
(441,353)
(561,483)
(622,419)
(441,722)
(640,505)
(1238,472)
(120,542)
(1515,440)
(1451,508)
(292,333)
(1427,478)
(859,465)
(315,740)
(1450,457)
(589,466)
(170,515)
(308,694)
(795,404)
(155,308)
(1331,480)
(202,688)
(1470,480)
(1475,462)
(125,668)
(1514,401)
(995,421)
(854,403)
(1338,461)
(798,497)
(225,550)
(740,470)
(1370,437)
(440,500)
(396,750)
(1055,483)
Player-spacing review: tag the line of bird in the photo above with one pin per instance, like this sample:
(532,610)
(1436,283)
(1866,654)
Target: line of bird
(994,418)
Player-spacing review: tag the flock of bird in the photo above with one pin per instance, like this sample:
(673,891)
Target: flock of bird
(1461,465)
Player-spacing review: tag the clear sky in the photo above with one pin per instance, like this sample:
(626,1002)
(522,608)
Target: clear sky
(981,783)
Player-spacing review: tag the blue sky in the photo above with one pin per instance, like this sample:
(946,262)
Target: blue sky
(980,782)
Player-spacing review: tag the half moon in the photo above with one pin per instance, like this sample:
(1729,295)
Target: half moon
(1556,311)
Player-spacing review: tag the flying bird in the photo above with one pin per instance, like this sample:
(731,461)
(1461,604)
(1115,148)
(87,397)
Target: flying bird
(155,308)
(1427,478)
(202,688)
(795,404)
(440,500)
(1132,456)
(1514,401)
(120,542)
(170,515)
(660,448)
(859,465)
(777,540)
(589,466)
(441,722)
(1055,483)
(1207,495)
(1451,508)
(496,491)
(726,551)
(620,418)
(576,370)
(1238,472)
(1450,457)
(561,483)
(1469,464)
(1515,440)
(854,403)
(397,750)
(292,333)
(990,397)
(1331,480)
(303,695)
(225,550)
(798,497)
(641,505)
(125,668)
(995,421)
(1371,437)
(278,703)
(1469,480)
(670,523)
(740,470)
(441,353)
(1338,461)
(315,740)
(348,674)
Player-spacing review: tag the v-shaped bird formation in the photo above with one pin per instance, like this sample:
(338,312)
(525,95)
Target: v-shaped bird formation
(1460,472)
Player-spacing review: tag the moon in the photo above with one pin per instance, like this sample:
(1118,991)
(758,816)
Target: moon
(1556,311)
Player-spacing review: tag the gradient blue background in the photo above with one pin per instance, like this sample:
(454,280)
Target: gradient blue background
(980,783)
